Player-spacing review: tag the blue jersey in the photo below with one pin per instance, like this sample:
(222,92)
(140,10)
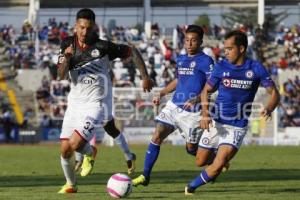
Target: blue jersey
(192,73)
(237,86)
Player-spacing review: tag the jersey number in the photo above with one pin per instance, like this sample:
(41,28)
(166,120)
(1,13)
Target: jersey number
(88,127)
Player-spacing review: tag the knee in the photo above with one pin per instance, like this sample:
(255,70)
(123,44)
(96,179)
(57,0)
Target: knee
(200,162)
(74,146)
(156,138)
(65,151)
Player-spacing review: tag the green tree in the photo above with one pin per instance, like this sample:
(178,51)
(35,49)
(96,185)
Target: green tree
(240,15)
(248,16)
(272,20)
(202,20)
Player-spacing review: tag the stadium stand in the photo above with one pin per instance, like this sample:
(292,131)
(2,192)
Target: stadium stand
(21,61)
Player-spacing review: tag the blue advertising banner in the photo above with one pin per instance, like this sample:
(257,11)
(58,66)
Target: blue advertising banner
(51,134)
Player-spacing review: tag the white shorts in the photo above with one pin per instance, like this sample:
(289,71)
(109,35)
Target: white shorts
(84,121)
(222,134)
(186,122)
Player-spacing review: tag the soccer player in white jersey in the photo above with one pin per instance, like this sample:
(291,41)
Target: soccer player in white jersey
(236,79)
(86,59)
(193,69)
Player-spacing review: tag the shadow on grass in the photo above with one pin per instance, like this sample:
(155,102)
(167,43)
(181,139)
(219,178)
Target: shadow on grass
(158,177)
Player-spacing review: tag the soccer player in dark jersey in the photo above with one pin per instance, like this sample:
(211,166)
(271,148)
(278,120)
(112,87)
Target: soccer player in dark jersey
(193,69)
(236,79)
(86,59)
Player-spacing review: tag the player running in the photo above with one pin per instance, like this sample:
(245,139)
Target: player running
(85,164)
(86,58)
(193,69)
(237,79)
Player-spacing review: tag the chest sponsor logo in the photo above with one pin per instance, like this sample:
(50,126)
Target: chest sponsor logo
(187,70)
(235,83)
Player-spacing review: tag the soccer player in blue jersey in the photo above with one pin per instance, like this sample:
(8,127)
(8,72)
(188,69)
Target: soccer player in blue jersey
(192,72)
(237,79)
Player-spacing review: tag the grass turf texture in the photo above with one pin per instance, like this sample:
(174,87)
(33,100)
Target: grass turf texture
(257,172)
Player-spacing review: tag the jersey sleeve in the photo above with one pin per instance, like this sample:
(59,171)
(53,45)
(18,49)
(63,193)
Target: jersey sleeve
(210,67)
(214,78)
(118,51)
(264,76)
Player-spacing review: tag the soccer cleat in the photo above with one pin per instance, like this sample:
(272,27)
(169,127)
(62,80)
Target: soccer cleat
(78,165)
(140,180)
(87,165)
(226,167)
(189,191)
(68,189)
(131,164)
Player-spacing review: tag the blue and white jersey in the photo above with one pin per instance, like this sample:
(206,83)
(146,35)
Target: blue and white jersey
(237,86)
(192,74)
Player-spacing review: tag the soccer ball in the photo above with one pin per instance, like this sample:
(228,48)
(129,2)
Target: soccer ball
(119,185)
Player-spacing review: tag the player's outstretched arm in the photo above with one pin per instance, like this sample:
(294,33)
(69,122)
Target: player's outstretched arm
(273,102)
(64,62)
(204,97)
(140,64)
(168,89)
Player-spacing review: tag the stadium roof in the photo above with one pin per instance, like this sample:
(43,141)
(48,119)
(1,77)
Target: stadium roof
(139,3)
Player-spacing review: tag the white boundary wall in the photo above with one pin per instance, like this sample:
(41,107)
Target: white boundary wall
(138,124)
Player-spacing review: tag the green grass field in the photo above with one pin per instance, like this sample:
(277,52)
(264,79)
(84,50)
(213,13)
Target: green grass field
(34,172)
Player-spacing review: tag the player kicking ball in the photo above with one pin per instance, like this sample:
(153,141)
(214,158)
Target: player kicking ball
(236,79)
(86,59)
(83,164)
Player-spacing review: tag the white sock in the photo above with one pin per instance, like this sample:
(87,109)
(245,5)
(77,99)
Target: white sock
(78,156)
(68,169)
(121,142)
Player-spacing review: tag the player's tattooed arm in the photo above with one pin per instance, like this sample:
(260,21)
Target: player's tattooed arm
(140,64)
(64,62)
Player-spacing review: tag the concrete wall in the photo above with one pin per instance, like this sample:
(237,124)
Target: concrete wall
(31,79)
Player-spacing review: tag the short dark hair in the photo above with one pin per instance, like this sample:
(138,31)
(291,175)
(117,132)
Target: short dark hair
(86,13)
(195,29)
(240,38)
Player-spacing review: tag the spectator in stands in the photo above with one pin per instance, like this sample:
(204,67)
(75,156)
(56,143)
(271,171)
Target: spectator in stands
(46,121)
(165,78)
(8,124)
(153,74)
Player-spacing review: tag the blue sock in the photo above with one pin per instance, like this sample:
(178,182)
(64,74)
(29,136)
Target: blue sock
(150,158)
(200,180)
